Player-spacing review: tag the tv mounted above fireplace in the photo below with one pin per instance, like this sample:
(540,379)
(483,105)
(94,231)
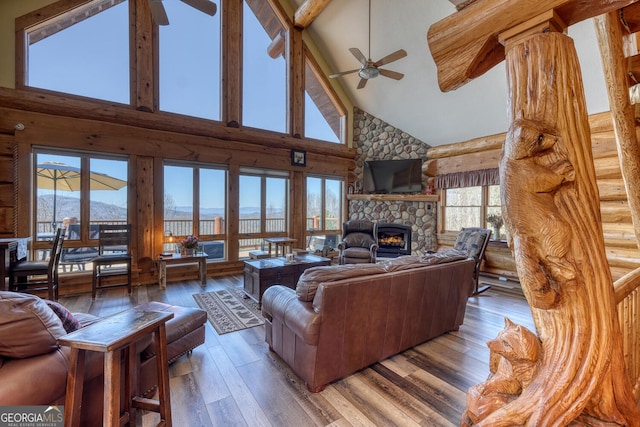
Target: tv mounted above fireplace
(392,176)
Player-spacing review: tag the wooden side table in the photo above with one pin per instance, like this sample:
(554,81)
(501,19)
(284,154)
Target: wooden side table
(116,336)
(163,260)
(284,242)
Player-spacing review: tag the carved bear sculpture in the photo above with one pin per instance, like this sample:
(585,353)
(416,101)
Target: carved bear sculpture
(515,354)
(536,169)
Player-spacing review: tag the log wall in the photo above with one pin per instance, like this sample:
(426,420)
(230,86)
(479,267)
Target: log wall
(101,128)
(484,153)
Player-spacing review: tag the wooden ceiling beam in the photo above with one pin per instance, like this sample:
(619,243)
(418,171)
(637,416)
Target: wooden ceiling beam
(308,12)
(465,44)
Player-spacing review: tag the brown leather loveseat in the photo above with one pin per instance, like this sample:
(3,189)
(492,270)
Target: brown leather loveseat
(33,368)
(343,318)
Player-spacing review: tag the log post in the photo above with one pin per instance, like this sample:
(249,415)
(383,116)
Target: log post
(550,205)
(609,31)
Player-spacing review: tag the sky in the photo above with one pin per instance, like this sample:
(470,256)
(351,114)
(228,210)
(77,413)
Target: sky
(91,58)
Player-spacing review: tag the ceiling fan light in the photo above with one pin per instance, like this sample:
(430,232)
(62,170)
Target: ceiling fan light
(369,73)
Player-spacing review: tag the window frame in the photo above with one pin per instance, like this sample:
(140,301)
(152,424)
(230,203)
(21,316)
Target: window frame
(484,206)
(196,167)
(85,239)
(323,230)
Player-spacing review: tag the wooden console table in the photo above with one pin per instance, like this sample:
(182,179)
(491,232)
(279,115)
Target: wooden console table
(162,262)
(262,273)
(114,336)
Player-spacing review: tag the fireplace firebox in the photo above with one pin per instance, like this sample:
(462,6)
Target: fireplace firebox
(394,240)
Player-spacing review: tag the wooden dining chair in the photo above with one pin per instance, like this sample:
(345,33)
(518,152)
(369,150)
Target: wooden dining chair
(114,256)
(35,276)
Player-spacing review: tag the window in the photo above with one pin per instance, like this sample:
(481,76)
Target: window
(87,50)
(264,207)
(195,204)
(324,115)
(463,208)
(84,52)
(264,87)
(78,191)
(471,206)
(324,212)
(192,40)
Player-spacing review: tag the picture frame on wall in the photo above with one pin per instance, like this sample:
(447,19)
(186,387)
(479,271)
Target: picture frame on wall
(298,158)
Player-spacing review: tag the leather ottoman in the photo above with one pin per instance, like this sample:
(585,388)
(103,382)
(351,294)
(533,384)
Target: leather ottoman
(185,331)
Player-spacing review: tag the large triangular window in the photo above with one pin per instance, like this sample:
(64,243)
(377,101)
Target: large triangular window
(324,115)
(83,52)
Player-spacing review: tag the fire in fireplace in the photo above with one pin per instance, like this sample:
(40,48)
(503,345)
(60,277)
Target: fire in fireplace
(394,240)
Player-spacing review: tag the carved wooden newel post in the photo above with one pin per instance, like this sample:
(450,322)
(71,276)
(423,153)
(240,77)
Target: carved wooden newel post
(573,370)
(551,209)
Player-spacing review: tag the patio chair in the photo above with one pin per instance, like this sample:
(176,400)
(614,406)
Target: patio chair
(35,276)
(114,256)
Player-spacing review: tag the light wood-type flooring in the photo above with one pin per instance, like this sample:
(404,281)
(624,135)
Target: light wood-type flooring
(234,380)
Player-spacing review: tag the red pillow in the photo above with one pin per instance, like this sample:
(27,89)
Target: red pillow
(69,323)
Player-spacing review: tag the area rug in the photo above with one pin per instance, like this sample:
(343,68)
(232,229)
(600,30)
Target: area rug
(229,311)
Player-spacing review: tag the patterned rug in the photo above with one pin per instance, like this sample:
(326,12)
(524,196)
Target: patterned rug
(229,311)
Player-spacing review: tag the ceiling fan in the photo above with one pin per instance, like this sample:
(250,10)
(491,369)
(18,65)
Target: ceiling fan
(369,68)
(160,15)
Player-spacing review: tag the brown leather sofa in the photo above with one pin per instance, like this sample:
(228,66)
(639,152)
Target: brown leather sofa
(33,368)
(343,318)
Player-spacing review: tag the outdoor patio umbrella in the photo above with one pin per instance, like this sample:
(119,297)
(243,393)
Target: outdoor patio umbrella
(59,176)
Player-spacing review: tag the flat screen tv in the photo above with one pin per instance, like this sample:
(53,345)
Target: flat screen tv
(392,176)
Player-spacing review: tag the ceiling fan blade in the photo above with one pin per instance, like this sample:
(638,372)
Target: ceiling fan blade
(359,56)
(362,83)
(158,13)
(205,6)
(401,53)
(333,76)
(391,74)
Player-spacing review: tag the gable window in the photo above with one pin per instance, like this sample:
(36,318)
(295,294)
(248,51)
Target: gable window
(190,62)
(83,52)
(324,115)
(324,212)
(195,204)
(264,207)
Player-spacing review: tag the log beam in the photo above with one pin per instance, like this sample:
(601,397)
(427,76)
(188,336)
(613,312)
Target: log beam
(609,31)
(308,12)
(465,45)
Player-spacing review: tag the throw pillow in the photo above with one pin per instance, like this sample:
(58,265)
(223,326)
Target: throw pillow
(28,327)
(69,323)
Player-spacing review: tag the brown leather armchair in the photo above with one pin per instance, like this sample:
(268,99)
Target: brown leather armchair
(359,242)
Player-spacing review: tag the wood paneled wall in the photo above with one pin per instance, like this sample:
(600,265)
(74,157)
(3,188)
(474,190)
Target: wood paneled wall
(67,124)
(483,153)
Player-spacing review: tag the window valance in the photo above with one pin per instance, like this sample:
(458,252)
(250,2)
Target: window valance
(467,179)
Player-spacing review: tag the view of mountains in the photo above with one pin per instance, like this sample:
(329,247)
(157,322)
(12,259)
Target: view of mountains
(70,207)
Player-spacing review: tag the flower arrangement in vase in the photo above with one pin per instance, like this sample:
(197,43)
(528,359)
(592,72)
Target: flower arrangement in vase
(188,245)
(496,221)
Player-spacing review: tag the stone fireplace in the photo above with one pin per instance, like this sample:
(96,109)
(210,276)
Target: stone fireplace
(416,213)
(375,139)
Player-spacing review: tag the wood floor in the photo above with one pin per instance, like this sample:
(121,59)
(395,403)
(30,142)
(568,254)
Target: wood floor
(234,380)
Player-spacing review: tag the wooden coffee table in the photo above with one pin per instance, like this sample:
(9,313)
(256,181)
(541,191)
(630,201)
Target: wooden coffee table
(260,274)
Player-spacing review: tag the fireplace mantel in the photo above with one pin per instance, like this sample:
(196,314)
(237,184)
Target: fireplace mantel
(390,197)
